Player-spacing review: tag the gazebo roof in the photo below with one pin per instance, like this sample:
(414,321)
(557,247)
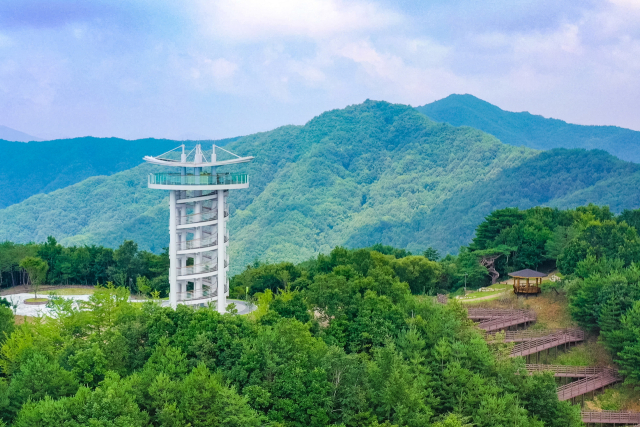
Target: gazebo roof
(527,273)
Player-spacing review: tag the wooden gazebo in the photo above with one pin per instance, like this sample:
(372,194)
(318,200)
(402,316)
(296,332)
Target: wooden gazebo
(527,287)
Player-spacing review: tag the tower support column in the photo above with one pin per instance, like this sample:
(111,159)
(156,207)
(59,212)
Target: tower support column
(222,279)
(173,251)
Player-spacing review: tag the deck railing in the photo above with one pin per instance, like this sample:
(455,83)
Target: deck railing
(205,242)
(577,371)
(546,342)
(530,334)
(204,293)
(217,179)
(610,417)
(197,269)
(195,218)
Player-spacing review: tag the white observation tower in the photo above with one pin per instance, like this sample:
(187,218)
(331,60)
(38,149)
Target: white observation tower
(198,213)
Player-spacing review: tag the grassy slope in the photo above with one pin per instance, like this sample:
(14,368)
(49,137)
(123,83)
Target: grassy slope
(374,172)
(45,166)
(531,130)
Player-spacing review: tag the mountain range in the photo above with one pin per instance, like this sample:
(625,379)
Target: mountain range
(531,130)
(368,173)
(9,134)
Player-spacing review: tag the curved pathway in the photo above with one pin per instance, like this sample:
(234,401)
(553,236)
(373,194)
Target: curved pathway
(24,309)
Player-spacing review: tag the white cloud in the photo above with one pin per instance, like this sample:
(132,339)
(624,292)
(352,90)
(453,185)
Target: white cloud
(257,20)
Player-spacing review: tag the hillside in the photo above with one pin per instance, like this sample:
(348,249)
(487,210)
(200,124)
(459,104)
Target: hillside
(530,130)
(44,166)
(374,172)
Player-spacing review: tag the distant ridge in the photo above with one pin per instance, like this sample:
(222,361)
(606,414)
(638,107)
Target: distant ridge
(9,134)
(530,130)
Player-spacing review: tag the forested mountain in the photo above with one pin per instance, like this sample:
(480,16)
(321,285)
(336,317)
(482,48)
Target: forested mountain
(531,130)
(44,166)
(369,173)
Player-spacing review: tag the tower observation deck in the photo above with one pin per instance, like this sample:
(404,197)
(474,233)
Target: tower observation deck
(198,214)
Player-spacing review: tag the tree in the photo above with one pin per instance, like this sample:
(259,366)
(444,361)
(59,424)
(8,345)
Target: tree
(493,225)
(422,275)
(631,217)
(127,263)
(560,239)
(607,239)
(37,377)
(7,322)
(110,404)
(630,355)
(37,270)
(431,254)
(200,400)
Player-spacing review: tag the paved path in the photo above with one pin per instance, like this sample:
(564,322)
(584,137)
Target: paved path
(42,310)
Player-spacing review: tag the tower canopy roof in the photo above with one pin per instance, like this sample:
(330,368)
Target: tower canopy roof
(527,273)
(197,157)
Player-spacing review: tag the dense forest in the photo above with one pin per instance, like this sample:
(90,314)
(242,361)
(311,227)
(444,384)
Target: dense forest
(347,338)
(536,238)
(369,173)
(350,347)
(524,129)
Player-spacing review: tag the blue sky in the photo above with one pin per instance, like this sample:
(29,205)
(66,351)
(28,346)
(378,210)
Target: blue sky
(221,68)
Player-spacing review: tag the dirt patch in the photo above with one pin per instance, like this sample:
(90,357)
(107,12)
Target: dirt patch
(19,320)
(552,309)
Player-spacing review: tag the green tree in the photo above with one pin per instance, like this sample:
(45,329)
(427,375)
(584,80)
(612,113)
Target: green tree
(493,224)
(37,270)
(431,254)
(630,355)
(112,404)
(422,275)
(560,239)
(631,217)
(7,322)
(37,377)
(292,306)
(607,239)
(200,400)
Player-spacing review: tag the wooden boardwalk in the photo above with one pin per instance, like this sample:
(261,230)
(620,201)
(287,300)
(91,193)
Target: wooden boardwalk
(587,384)
(555,339)
(611,417)
(494,313)
(530,342)
(565,371)
(496,319)
(528,334)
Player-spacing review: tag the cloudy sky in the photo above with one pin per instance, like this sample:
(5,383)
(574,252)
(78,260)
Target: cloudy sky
(221,68)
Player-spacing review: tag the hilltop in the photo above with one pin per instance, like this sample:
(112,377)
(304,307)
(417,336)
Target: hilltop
(531,130)
(373,172)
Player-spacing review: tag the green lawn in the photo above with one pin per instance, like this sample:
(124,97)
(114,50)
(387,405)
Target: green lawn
(71,291)
(481,296)
(36,300)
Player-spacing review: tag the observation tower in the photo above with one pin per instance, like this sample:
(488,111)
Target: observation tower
(198,214)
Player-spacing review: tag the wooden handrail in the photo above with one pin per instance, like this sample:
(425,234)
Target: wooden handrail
(566,369)
(610,417)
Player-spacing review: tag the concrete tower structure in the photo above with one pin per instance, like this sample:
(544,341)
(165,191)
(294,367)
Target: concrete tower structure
(198,214)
